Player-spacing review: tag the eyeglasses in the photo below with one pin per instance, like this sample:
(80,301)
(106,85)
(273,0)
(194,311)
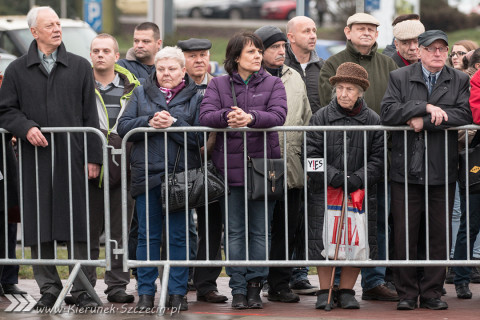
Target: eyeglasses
(434,49)
(457,53)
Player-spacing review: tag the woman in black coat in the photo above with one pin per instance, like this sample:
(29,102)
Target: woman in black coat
(346,108)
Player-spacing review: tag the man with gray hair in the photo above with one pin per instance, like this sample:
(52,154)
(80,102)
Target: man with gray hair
(427,96)
(361,33)
(406,42)
(50,87)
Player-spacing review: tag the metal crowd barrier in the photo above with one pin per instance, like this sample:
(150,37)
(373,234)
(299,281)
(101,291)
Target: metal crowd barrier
(73,261)
(168,263)
(389,261)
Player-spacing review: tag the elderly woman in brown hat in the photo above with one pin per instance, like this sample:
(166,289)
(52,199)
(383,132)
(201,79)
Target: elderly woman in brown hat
(347,108)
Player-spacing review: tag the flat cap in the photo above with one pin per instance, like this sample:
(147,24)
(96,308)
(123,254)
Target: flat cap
(408,29)
(362,18)
(428,37)
(194,44)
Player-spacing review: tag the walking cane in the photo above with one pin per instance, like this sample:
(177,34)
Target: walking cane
(328,307)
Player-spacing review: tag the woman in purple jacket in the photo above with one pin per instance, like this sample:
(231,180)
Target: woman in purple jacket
(261,103)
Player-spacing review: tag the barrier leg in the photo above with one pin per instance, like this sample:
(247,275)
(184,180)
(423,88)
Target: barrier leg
(164,292)
(76,271)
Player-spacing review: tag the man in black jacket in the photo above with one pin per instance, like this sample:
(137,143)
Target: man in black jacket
(302,57)
(429,97)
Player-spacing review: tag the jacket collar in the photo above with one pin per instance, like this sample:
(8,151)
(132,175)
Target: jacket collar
(352,50)
(314,58)
(157,96)
(334,114)
(447,74)
(33,58)
(256,77)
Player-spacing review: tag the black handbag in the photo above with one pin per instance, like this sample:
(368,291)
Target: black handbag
(256,172)
(473,168)
(195,182)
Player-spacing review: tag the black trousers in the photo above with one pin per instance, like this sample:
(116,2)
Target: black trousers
(279,277)
(10,272)
(205,278)
(430,284)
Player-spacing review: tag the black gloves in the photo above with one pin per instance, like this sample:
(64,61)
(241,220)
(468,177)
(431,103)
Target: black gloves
(353,183)
(337,180)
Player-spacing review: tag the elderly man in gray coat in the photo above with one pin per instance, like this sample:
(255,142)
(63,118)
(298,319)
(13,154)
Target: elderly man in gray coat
(50,87)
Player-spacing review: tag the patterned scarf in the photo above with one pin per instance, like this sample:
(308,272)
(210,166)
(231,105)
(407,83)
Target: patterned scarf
(170,93)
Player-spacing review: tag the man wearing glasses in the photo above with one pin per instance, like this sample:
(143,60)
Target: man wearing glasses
(429,97)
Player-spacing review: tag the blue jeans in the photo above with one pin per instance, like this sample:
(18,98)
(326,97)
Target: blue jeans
(462,274)
(456,215)
(177,283)
(373,277)
(236,245)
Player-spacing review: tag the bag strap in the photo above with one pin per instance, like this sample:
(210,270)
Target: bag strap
(178,156)
(234,96)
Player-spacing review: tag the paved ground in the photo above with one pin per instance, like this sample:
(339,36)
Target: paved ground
(458,309)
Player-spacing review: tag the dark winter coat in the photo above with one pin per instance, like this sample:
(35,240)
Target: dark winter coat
(309,76)
(30,97)
(145,101)
(264,98)
(407,97)
(8,181)
(332,116)
(140,70)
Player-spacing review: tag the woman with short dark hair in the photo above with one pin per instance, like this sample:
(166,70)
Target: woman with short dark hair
(261,103)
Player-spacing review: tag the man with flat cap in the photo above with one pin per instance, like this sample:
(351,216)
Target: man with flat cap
(361,32)
(406,42)
(197,59)
(299,114)
(429,97)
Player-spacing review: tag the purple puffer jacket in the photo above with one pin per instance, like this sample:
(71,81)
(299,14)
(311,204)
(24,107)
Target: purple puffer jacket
(264,97)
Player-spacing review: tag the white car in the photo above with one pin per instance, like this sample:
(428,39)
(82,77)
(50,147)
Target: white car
(15,36)
(5,60)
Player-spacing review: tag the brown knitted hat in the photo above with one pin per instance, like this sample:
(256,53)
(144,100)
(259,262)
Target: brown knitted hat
(352,73)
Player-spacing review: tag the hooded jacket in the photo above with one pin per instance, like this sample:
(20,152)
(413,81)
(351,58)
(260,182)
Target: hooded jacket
(264,98)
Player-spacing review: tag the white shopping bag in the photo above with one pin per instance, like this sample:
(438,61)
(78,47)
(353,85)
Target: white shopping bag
(353,241)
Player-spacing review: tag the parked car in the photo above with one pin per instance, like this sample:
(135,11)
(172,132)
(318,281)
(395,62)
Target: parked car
(15,36)
(190,8)
(5,59)
(233,9)
(279,9)
(327,48)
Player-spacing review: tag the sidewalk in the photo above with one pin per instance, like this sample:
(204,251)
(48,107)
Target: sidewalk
(458,309)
